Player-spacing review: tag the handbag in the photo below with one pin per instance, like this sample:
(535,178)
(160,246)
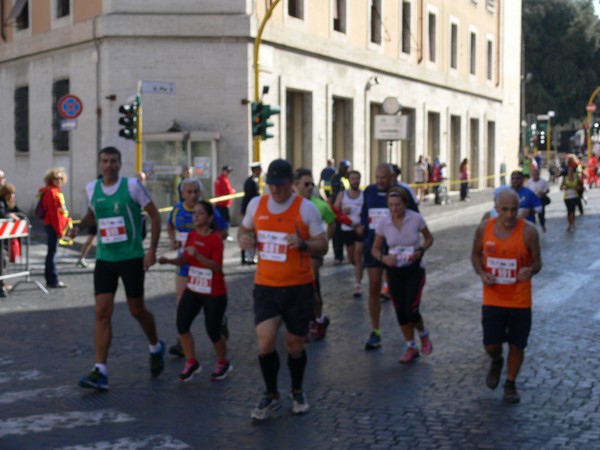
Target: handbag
(545,200)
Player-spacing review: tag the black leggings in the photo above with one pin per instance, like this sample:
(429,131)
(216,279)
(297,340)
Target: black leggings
(190,306)
(406,285)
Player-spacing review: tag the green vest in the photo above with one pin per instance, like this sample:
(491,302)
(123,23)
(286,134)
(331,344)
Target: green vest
(118,219)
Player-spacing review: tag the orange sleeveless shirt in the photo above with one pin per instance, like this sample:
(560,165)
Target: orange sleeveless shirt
(279,265)
(503,258)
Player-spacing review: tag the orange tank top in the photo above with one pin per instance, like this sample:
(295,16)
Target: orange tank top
(279,265)
(503,258)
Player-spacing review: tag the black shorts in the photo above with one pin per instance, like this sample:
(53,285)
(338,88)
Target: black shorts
(131,271)
(192,303)
(293,303)
(350,237)
(369,261)
(501,325)
(571,205)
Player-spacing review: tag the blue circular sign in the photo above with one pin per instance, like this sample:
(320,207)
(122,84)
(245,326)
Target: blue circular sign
(70,106)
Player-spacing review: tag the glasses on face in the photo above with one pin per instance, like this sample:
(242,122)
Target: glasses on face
(309,184)
(60,177)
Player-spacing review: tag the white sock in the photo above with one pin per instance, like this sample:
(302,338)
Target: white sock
(424,333)
(155,348)
(321,319)
(101,368)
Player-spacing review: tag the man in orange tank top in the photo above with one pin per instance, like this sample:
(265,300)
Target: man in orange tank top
(288,230)
(505,255)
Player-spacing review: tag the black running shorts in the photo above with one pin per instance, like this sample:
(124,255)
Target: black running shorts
(131,271)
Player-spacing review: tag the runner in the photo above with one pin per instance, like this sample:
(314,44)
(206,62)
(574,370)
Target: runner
(529,203)
(571,184)
(540,187)
(405,267)
(350,202)
(289,231)
(374,210)
(179,225)
(505,255)
(115,205)
(203,252)
(304,186)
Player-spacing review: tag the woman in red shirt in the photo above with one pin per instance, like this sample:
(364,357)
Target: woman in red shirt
(203,251)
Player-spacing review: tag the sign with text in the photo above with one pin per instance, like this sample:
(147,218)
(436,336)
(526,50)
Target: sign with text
(158,87)
(391,128)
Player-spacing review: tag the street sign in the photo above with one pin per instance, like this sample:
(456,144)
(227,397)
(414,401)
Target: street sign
(543,117)
(68,124)
(590,107)
(158,87)
(391,128)
(69,106)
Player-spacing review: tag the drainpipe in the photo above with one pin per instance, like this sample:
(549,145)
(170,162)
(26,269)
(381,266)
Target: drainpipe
(98,87)
(2,26)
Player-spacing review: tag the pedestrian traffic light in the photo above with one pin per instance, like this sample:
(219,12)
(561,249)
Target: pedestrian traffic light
(266,112)
(129,120)
(256,119)
(542,128)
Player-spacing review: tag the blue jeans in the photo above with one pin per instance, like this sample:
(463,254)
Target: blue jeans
(51,271)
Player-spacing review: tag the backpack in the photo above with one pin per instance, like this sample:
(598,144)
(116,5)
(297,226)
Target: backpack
(40,212)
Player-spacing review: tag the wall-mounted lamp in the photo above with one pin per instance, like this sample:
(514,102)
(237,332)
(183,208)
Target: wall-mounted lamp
(372,81)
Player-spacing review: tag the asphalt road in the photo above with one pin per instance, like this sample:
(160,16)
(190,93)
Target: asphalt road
(358,399)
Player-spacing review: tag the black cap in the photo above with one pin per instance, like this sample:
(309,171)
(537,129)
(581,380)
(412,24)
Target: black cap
(227,168)
(280,172)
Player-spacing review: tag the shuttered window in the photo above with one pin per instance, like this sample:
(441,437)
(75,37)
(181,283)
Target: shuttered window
(22,119)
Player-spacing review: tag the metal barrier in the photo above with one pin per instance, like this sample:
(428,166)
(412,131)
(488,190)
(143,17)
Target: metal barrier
(14,265)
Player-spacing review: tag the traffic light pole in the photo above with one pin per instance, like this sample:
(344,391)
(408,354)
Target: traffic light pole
(257,42)
(138,139)
(589,121)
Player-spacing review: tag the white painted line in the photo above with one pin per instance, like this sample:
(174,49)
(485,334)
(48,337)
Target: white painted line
(25,375)
(161,441)
(68,420)
(18,396)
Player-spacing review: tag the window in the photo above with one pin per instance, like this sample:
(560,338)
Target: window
(22,19)
(60,139)
(296,8)
(376,21)
(454,46)
(406,27)
(473,63)
(432,36)
(491,5)
(489,60)
(22,119)
(63,8)
(339,15)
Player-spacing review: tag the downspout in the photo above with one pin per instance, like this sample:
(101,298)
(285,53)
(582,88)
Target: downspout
(2,29)
(421,32)
(500,37)
(98,86)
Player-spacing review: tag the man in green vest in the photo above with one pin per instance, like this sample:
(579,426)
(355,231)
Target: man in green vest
(115,206)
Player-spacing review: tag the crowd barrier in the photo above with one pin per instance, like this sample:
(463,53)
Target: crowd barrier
(14,253)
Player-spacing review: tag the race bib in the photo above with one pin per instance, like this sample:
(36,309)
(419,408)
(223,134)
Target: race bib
(272,245)
(182,237)
(402,255)
(112,229)
(376,215)
(504,270)
(200,280)
(570,193)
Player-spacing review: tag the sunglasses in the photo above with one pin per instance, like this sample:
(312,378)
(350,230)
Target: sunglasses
(309,184)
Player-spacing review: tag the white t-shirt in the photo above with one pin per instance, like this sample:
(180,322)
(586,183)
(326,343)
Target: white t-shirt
(138,193)
(403,241)
(308,211)
(539,187)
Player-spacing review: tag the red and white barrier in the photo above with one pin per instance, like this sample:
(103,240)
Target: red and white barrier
(19,228)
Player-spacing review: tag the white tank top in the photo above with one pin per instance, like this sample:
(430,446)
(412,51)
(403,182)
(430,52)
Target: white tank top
(355,206)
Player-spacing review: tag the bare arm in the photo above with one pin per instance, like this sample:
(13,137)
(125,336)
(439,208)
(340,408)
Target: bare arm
(150,257)
(338,200)
(477,256)
(206,262)
(532,242)
(388,260)
(171,234)
(315,246)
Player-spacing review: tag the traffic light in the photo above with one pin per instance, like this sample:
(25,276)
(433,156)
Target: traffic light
(129,120)
(266,112)
(256,119)
(542,133)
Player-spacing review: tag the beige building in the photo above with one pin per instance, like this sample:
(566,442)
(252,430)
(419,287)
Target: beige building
(452,65)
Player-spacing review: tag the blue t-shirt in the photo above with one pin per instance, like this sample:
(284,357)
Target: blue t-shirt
(528,200)
(182,220)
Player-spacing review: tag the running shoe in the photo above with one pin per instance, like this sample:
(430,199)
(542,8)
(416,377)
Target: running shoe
(300,405)
(82,263)
(493,377)
(320,330)
(510,393)
(189,370)
(374,341)
(357,291)
(177,350)
(221,371)
(426,345)
(157,360)
(95,380)
(266,407)
(410,355)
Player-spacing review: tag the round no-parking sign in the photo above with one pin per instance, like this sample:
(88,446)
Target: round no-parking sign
(70,106)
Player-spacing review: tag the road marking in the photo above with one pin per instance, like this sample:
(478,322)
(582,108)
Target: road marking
(162,441)
(17,396)
(25,375)
(47,422)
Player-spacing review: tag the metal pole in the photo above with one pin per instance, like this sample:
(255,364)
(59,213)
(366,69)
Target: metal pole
(257,42)
(138,139)
(589,122)
(548,141)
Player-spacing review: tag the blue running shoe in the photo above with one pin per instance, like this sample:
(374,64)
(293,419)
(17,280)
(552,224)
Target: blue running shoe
(95,380)
(157,361)
(374,341)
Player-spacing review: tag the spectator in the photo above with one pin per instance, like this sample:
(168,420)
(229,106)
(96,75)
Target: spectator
(2,178)
(464,184)
(339,182)
(325,180)
(11,248)
(187,173)
(251,190)
(56,221)
(223,187)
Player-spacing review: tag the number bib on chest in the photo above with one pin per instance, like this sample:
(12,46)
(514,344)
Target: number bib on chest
(272,245)
(504,270)
(570,193)
(376,215)
(182,237)
(402,255)
(200,280)
(112,229)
